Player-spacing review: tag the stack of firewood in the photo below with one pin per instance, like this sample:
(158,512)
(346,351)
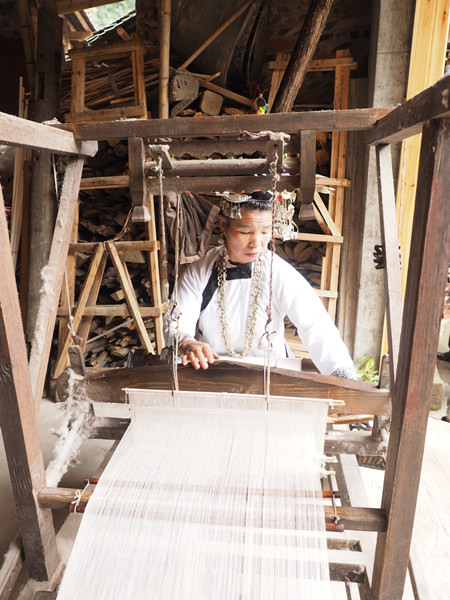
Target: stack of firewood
(304,256)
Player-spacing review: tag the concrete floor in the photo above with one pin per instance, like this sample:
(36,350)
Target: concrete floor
(94,451)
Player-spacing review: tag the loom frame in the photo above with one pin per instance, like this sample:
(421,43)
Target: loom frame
(411,375)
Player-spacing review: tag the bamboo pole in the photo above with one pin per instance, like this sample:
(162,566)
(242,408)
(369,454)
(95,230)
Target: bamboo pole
(164,37)
(215,35)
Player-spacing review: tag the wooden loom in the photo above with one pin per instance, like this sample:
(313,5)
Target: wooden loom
(412,357)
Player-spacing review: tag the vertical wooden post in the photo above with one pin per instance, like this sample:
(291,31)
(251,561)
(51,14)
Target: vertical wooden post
(389,238)
(305,47)
(138,181)
(19,425)
(164,58)
(418,345)
(48,304)
(307,165)
(46,106)
(153,265)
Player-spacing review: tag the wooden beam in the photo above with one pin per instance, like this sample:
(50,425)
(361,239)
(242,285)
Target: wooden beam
(418,346)
(139,245)
(325,120)
(138,186)
(107,384)
(19,426)
(303,52)
(23,133)
(48,306)
(307,165)
(391,245)
(408,118)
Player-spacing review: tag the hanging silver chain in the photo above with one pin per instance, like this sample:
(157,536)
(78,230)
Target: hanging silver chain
(255,294)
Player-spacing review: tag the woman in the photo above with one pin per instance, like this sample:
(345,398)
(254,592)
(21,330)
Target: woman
(223,298)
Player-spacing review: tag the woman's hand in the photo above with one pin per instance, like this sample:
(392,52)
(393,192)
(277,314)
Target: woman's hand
(199,354)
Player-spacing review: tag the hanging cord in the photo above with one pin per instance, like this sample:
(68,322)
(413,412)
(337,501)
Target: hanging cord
(267,333)
(163,230)
(174,314)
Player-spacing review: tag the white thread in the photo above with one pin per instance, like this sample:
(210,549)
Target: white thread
(78,495)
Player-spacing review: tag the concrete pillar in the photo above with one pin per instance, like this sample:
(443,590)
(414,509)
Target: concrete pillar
(388,75)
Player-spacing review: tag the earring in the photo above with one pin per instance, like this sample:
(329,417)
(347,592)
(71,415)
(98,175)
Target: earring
(222,239)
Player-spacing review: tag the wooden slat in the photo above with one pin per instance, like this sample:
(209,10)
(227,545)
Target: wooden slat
(116,50)
(407,119)
(221,184)
(418,346)
(48,305)
(138,245)
(115,310)
(22,133)
(107,384)
(326,215)
(19,426)
(326,120)
(390,242)
(130,297)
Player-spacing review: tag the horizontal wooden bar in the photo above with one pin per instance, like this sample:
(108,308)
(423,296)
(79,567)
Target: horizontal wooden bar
(358,519)
(408,118)
(224,146)
(319,237)
(142,245)
(220,184)
(118,181)
(326,120)
(22,133)
(100,183)
(106,385)
(336,442)
(113,310)
(320,64)
(105,52)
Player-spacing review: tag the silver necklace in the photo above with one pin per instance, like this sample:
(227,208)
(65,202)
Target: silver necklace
(255,294)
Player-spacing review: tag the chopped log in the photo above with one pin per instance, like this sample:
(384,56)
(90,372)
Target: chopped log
(305,47)
(211,103)
(183,86)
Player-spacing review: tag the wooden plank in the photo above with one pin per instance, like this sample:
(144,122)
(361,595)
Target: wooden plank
(408,118)
(137,61)
(325,120)
(104,183)
(79,310)
(130,297)
(220,184)
(224,92)
(319,64)
(418,345)
(307,165)
(115,310)
(12,564)
(106,384)
(119,112)
(22,133)
(326,215)
(164,58)
(48,305)
(19,424)
(77,93)
(390,242)
(138,186)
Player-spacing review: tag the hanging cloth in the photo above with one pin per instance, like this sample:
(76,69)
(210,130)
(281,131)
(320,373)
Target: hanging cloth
(197,218)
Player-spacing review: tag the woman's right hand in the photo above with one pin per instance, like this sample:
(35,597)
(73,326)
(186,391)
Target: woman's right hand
(199,354)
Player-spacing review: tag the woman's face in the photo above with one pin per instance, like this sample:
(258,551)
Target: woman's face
(248,236)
